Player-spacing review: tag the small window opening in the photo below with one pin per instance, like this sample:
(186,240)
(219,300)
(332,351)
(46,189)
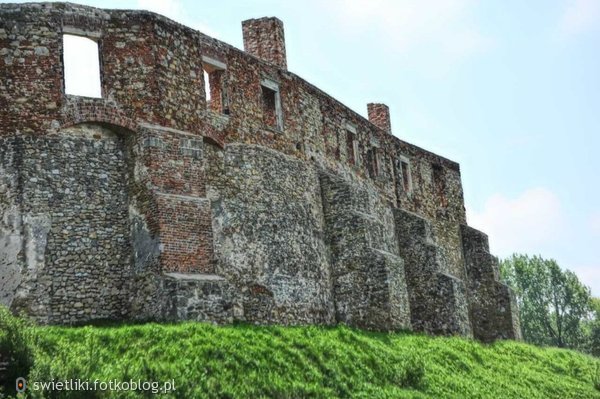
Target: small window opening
(81,66)
(271,105)
(350,147)
(439,185)
(352,154)
(206,86)
(214,85)
(373,162)
(406,175)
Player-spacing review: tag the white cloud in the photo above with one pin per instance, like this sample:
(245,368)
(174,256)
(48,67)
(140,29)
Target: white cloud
(580,16)
(404,25)
(529,223)
(535,223)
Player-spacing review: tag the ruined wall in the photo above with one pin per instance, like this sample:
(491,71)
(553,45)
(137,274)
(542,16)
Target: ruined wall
(74,212)
(368,274)
(151,203)
(438,300)
(492,304)
(11,234)
(269,235)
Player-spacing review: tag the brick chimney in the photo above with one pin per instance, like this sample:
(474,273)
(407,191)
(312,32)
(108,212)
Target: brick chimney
(379,115)
(263,38)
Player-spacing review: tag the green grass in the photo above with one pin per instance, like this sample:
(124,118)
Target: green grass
(306,362)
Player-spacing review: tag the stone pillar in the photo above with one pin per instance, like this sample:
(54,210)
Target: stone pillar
(493,306)
(264,38)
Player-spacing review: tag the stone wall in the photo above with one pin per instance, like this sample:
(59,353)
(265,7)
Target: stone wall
(151,203)
(11,231)
(269,235)
(438,300)
(368,275)
(74,212)
(492,304)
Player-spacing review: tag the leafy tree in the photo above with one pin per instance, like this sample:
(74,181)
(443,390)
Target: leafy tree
(594,329)
(554,305)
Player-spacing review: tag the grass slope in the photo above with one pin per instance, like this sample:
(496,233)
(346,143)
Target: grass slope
(307,362)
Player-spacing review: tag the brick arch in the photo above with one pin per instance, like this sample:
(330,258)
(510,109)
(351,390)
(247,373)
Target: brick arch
(210,134)
(86,110)
(92,110)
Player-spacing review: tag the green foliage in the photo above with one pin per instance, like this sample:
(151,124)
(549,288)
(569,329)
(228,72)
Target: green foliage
(594,329)
(15,348)
(597,377)
(554,305)
(207,361)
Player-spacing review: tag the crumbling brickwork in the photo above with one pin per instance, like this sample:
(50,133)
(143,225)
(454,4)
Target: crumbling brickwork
(272,202)
(379,115)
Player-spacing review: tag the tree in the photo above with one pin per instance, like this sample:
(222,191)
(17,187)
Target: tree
(553,304)
(594,329)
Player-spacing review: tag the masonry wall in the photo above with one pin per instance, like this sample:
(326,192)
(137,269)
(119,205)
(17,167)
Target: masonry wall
(11,229)
(269,236)
(74,258)
(368,275)
(214,215)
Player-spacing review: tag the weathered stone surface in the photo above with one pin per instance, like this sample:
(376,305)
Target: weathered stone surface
(268,232)
(199,297)
(11,230)
(492,304)
(438,300)
(155,203)
(75,225)
(368,275)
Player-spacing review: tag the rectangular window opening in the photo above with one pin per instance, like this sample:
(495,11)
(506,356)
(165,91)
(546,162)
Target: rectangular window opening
(81,66)
(214,85)
(271,105)
(406,175)
(373,162)
(352,154)
(206,87)
(350,147)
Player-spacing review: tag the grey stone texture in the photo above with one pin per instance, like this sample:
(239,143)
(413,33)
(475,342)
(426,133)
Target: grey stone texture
(74,212)
(152,203)
(368,276)
(268,228)
(492,304)
(438,300)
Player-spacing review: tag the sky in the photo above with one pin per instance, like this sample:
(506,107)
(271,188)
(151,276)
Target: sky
(509,89)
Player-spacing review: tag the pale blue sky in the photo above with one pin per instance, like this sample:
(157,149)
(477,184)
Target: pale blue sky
(509,89)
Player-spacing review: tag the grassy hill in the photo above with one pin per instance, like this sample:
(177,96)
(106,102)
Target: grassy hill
(306,362)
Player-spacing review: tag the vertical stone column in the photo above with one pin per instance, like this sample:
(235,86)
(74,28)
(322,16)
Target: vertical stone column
(493,307)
